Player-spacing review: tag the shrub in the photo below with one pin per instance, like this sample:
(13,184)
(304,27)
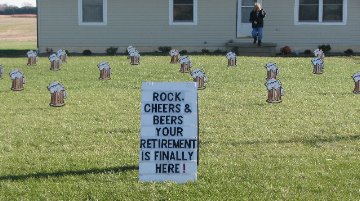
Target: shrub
(285,50)
(235,50)
(67,52)
(182,52)
(349,52)
(111,50)
(325,47)
(164,49)
(49,50)
(307,52)
(205,51)
(87,52)
(218,51)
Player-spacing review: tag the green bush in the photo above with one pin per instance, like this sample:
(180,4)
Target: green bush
(164,49)
(111,50)
(325,47)
(182,52)
(307,52)
(205,51)
(349,52)
(218,51)
(87,52)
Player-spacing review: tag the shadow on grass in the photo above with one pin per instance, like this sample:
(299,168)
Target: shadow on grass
(13,53)
(42,175)
(313,141)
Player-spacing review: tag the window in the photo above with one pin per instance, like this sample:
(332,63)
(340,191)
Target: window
(92,12)
(183,12)
(246,7)
(331,12)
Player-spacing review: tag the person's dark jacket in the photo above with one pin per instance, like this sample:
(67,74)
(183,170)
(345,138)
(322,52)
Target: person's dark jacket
(259,18)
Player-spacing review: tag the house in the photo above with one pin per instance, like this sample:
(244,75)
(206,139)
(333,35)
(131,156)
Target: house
(77,25)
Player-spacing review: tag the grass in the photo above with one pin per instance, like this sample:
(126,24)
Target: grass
(18,45)
(17,32)
(305,148)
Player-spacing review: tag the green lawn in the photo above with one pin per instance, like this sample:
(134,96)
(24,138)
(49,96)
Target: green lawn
(305,148)
(18,45)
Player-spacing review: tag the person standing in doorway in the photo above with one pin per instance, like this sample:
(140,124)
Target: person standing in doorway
(257,22)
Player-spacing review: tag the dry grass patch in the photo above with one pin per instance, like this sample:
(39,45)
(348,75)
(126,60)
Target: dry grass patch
(17,28)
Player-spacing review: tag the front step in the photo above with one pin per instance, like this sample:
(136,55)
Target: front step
(250,49)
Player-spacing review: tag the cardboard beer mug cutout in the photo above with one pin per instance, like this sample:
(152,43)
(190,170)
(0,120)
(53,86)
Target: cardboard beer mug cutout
(272,71)
(356,78)
(319,54)
(200,78)
(18,80)
(62,55)
(134,55)
(318,65)
(55,62)
(130,49)
(105,71)
(275,91)
(58,94)
(32,58)
(231,56)
(185,64)
(174,56)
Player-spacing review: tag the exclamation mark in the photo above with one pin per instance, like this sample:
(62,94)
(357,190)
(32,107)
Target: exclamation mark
(184,168)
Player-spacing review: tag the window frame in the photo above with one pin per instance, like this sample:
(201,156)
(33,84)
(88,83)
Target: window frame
(171,14)
(321,14)
(80,14)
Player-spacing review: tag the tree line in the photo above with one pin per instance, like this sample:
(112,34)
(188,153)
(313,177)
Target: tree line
(14,10)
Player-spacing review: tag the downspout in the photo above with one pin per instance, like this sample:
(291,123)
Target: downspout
(37,25)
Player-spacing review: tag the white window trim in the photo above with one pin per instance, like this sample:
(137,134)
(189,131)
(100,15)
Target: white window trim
(296,17)
(171,16)
(80,14)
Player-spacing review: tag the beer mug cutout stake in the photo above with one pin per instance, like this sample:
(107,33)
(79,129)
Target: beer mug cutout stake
(32,58)
(105,71)
(275,91)
(62,55)
(55,62)
(231,57)
(130,49)
(185,64)
(319,54)
(318,65)
(18,80)
(1,71)
(356,78)
(135,58)
(134,55)
(200,78)
(174,56)
(271,71)
(58,94)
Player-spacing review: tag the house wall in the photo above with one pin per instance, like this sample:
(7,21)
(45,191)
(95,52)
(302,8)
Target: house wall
(145,25)
(129,25)
(281,29)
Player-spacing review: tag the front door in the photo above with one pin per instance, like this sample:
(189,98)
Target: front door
(243,15)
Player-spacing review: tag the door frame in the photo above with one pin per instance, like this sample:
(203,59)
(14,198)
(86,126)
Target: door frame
(242,29)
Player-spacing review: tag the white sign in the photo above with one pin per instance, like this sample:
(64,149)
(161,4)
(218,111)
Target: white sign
(169,132)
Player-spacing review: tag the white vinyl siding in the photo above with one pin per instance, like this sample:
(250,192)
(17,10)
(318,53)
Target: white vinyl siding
(128,23)
(92,12)
(183,12)
(320,12)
